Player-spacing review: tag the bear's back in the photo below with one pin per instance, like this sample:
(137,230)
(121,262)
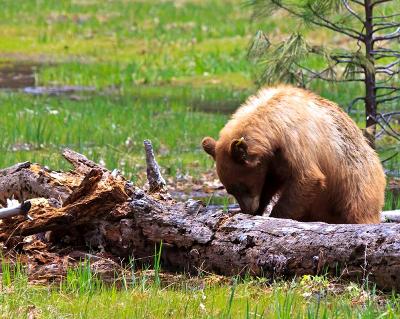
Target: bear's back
(307,128)
(299,119)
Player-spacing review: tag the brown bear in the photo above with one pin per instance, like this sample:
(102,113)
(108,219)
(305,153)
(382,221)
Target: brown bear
(291,142)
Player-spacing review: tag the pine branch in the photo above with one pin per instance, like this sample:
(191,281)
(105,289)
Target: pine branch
(322,22)
(334,26)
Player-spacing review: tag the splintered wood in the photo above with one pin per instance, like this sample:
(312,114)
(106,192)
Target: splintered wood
(91,209)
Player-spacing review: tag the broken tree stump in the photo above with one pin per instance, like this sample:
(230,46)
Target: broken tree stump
(156,181)
(106,212)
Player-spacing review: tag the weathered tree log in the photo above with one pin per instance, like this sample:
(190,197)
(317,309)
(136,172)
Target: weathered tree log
(32,181)
(114,216)
(156,181)
(196,237)
(97,193)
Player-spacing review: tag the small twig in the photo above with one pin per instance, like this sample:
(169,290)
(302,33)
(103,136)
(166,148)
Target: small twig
(154,177)
(350,107)
(390,157)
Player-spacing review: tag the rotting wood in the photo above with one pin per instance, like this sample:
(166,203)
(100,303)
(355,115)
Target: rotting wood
(32,180)
(88,184)
(113,216)
(154,177)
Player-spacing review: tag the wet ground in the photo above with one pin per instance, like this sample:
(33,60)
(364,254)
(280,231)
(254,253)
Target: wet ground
(17,76)
(23,76)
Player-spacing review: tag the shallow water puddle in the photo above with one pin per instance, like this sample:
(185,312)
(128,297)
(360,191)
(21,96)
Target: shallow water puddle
(22,75)
(57,90)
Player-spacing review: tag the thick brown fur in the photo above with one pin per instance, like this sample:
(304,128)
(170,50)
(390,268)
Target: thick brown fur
(290,141)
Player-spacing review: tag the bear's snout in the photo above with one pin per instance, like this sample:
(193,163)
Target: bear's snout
(249,205)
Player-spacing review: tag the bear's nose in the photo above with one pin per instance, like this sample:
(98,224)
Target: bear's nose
(249,205)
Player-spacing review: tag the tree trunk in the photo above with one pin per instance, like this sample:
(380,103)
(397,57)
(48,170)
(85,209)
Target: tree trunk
(369,71)
(104,211)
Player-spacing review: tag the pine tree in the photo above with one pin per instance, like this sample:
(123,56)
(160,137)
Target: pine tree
(372,26)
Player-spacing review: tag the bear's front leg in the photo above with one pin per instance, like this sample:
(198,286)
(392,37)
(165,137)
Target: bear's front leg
(298,195)
(270,189)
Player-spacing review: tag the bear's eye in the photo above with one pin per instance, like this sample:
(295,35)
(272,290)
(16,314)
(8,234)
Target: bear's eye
(237,189)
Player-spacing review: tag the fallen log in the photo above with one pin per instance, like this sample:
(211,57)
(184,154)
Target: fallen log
(31,180)
(103,211)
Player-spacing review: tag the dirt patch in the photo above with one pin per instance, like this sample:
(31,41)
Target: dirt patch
(19,75)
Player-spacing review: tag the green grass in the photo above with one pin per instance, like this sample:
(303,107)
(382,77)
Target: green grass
(158,67)
(172,72)
(143,294)
(110,128)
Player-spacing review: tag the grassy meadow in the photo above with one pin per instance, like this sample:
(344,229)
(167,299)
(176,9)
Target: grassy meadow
(169,71)
(151,295)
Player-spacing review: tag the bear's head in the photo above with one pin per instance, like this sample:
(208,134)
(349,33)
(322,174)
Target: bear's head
(241,170)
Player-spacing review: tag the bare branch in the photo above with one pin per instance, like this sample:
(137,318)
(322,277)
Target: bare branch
(349,8)
(357,2)
(389,36)
(387,71)
(386,127)
(391,113)
(352,103)
(382,56)
(379,2)
(381,53)
(386,25)
(388,159)
(389,66)
(388,16)
(387,87)
(380,50)
(380,101)
(390,89)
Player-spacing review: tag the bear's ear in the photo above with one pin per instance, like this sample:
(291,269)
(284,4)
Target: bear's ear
(208,144)
(239,151)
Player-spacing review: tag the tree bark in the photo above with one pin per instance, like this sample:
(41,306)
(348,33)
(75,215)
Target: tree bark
(370,72)
(106,212)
